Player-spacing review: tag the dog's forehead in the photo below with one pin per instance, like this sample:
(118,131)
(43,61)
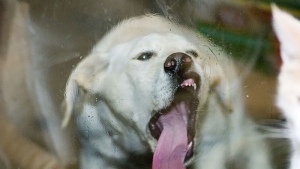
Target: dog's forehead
(163,41)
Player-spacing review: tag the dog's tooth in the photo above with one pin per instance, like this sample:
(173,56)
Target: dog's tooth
(190,145)
(195,86)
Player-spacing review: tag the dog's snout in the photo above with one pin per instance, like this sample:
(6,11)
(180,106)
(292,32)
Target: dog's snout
(177,63)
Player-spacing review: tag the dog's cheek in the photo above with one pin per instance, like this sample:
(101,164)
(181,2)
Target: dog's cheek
(163,92)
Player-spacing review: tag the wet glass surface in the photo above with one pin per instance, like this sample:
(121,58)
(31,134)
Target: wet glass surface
(43,41)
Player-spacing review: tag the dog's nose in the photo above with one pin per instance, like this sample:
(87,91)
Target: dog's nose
(177,63)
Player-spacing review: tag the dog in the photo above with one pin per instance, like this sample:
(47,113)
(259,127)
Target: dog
(287,29)
(154,93)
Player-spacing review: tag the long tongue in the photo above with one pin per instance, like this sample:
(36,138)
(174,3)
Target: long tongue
(172,144)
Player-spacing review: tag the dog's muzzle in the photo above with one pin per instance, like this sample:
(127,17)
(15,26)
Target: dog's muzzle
(174,125)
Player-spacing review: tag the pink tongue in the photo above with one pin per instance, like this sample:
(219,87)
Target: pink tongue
(172,143)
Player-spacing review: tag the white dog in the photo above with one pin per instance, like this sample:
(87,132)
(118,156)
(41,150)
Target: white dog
(152,86)
(287,29)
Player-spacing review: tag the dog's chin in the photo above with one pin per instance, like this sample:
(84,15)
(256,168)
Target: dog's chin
(178,117)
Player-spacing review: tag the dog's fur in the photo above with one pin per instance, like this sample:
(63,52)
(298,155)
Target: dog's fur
(287,29)
(114,95)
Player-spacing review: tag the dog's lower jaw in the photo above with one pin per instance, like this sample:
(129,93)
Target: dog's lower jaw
(174,128)
(172,146)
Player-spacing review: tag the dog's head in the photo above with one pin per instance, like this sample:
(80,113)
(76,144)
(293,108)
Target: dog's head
(151,80)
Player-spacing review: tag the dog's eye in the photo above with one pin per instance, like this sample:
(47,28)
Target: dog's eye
(145,56)
(192,52)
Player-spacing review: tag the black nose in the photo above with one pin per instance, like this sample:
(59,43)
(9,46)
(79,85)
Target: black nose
(177,63)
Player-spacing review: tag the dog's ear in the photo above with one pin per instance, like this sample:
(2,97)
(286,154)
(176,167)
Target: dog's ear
(219,84)
(83,78)
(221,87)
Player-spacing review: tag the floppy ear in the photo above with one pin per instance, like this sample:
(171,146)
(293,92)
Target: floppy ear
(218,82)
(223,92)
(287,29)
(220,85)
(83,77)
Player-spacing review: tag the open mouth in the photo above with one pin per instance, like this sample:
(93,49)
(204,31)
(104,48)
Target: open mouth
(174,126)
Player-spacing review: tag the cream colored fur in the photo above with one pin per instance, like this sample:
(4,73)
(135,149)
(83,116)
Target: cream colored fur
(113,95)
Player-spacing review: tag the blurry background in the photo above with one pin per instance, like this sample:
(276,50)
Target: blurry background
(41,41)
